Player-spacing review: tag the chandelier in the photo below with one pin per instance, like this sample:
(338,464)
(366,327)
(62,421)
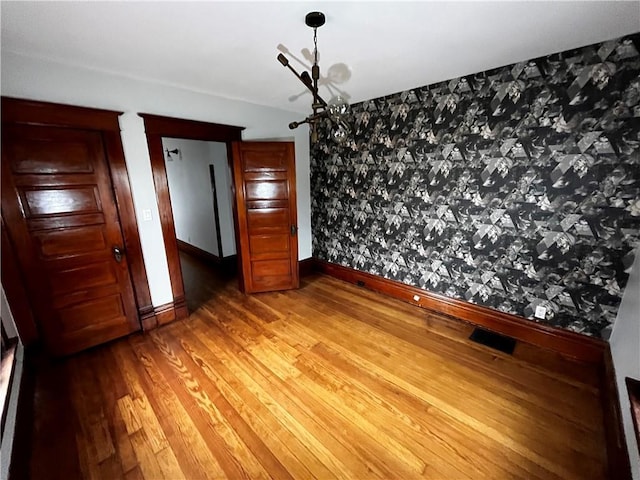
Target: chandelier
(337,109)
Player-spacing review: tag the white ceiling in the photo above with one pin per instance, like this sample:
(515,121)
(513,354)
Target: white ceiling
(229,48)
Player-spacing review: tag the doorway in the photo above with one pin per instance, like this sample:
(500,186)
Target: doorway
(263,191)
(200,184)
(157,128)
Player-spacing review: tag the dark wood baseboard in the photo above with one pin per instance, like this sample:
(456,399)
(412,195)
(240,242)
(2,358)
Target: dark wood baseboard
(228,265)
(570,344)
(147,318)
(306,266)
(180,306)
(165,313)
(617,453)
(200,254)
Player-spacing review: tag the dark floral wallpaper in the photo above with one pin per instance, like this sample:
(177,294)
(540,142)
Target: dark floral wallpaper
(510,188)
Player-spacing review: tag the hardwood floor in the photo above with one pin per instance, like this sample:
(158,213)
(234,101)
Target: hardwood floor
(326,381)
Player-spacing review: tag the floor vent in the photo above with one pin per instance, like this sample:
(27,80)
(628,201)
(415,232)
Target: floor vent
(493,340)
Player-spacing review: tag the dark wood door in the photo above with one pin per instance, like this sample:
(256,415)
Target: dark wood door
(59,210)
(265,184)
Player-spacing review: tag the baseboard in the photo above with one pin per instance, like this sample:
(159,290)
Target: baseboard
(147,316)
(165,313)
(227,265)
(570,344)
(180,307)
(200,254)
(617,453)
(306,266)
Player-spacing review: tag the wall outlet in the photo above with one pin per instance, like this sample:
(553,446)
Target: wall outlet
(540,312)
(416,298)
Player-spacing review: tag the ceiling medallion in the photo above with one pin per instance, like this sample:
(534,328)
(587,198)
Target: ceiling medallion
(337,109)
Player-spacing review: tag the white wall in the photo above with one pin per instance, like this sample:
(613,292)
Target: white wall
(38,79)
(625,350)
(8,322)
(192,196)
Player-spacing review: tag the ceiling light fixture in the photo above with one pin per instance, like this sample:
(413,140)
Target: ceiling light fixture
(337,109)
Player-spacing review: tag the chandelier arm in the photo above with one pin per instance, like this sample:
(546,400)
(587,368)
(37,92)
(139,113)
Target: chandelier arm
(310,119)
(307,83)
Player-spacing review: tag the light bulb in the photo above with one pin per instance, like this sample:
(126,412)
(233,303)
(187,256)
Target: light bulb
(340,134)
(338,107)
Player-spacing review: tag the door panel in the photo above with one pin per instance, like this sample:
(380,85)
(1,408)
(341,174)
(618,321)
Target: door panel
(36,157)
(93,275)
(60,213)
(43,202)
(266,244)
(264,176)
(268,220)
(271,268)
(70,241)
(266,190)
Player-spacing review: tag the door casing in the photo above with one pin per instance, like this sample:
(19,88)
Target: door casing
(157,127)
(29,112)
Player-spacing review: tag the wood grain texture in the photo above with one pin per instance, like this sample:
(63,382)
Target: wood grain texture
(128,222)
(265,186)
(192,129)
(165,313)
(157,127)
(32,112)
(328,381)
(83,314)
(575,345)
(28,112)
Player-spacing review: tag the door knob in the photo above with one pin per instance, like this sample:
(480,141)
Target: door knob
(117,254)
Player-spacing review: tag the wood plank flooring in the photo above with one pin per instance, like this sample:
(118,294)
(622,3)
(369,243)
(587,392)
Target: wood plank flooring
(329,381)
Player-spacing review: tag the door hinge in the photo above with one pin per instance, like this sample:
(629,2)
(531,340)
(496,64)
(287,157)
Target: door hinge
(294,230)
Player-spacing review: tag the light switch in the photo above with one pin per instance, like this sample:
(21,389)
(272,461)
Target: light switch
(146,215)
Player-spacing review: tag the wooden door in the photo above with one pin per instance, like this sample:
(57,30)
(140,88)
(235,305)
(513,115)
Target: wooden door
(60,213)
(265,184)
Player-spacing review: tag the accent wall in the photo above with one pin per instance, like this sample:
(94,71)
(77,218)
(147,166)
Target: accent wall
(512,188)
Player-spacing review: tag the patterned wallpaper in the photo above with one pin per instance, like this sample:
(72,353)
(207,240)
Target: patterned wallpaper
(510,188)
